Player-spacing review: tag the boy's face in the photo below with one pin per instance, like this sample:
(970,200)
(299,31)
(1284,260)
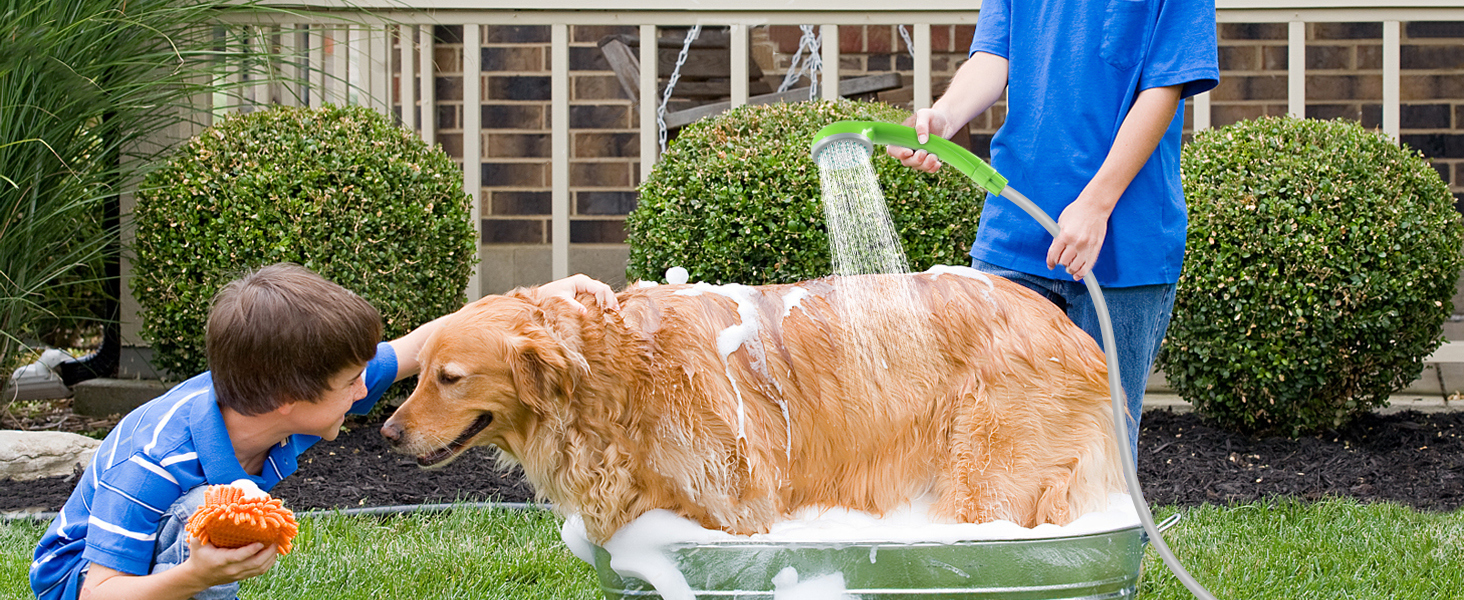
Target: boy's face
(324,417)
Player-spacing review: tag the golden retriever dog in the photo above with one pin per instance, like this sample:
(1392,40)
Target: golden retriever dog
(735,406)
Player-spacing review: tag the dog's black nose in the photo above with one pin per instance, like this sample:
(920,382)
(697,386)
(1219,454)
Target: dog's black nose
(392,432)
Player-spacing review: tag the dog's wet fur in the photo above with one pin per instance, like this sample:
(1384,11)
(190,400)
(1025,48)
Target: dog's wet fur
(1000,412)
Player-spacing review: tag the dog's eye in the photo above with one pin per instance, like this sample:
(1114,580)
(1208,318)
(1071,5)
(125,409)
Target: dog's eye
(445,378)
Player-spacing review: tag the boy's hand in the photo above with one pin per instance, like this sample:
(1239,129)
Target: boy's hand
(218,566)
(573,285)
(207,566)
(926,121)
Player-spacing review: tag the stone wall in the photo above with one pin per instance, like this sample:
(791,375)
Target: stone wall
(1344,79)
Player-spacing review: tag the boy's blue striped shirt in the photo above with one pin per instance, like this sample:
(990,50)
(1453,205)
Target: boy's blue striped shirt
(150,459)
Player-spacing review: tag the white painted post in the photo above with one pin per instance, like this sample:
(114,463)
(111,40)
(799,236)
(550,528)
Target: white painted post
(235,94)
(559,140)
(202,105)
(429,93)
(649,132)
(922,66)
(1296,70)
(380,68)
(315,41)
(360,65)
(738,48)
(260,41)
(294,72)
(339,62)
(1392,79)
(407,80)
(473,142)
(1202,111)
(829,36)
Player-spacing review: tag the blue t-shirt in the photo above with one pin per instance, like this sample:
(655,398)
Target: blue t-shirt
(1075,68)
(157,453)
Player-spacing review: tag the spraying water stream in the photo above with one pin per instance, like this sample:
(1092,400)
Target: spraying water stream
(882,326)
(862,236)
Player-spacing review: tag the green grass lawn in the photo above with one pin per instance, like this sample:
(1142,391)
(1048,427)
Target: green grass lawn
(1330,549)
(1287,549)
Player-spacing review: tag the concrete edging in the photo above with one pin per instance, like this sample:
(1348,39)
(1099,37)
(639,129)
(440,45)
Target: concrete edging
(1168,400)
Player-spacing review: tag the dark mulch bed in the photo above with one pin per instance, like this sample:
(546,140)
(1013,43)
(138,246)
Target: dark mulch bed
(357,470)
(1410,458)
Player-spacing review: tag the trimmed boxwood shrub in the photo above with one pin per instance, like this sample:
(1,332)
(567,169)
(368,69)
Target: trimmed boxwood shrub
(340,190)
(1321,263)
(736,199)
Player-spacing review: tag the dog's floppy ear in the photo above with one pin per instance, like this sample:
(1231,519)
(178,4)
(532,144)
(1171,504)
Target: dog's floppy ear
(546,365)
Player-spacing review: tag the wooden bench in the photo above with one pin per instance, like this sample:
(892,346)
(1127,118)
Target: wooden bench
(704,77)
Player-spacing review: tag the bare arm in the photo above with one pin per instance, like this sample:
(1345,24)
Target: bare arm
(408,346)
(207,566)
(1084,223)
(977,85)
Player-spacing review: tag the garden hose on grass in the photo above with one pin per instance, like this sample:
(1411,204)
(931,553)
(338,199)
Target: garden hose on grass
(869,133)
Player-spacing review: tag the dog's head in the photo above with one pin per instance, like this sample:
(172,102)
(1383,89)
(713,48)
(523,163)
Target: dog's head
(491,374)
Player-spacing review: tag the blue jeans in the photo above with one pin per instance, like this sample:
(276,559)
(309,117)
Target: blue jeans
(1140,318)
(172,544)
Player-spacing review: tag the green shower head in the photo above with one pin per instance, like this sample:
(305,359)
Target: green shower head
(868,133)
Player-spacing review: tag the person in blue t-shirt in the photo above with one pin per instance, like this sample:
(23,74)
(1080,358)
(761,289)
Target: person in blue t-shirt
(1095,94)
(290,355)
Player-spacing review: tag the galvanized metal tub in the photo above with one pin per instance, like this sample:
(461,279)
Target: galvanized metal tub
(1094,566)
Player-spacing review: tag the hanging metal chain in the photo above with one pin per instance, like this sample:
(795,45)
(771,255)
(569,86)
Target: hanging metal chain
(671,85)
(794,71)
(812,65)
(815,60)
(909,45)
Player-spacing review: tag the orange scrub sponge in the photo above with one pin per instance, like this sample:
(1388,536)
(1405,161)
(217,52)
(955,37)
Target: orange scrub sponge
(234,516)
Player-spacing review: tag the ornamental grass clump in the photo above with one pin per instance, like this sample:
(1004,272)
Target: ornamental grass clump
(1319,271)
(87,90)
(340,190)
(736,199)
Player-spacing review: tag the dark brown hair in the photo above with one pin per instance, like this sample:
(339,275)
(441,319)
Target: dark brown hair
(277,335)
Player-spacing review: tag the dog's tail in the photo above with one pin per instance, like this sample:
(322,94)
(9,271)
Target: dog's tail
(1099,470)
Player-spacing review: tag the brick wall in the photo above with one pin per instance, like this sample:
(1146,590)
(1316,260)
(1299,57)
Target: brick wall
(1344,79)
(515,165)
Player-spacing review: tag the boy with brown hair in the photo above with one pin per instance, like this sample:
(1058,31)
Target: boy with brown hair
(290,355)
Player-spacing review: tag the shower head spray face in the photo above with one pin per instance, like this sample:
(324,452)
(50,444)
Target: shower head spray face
(848,140)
